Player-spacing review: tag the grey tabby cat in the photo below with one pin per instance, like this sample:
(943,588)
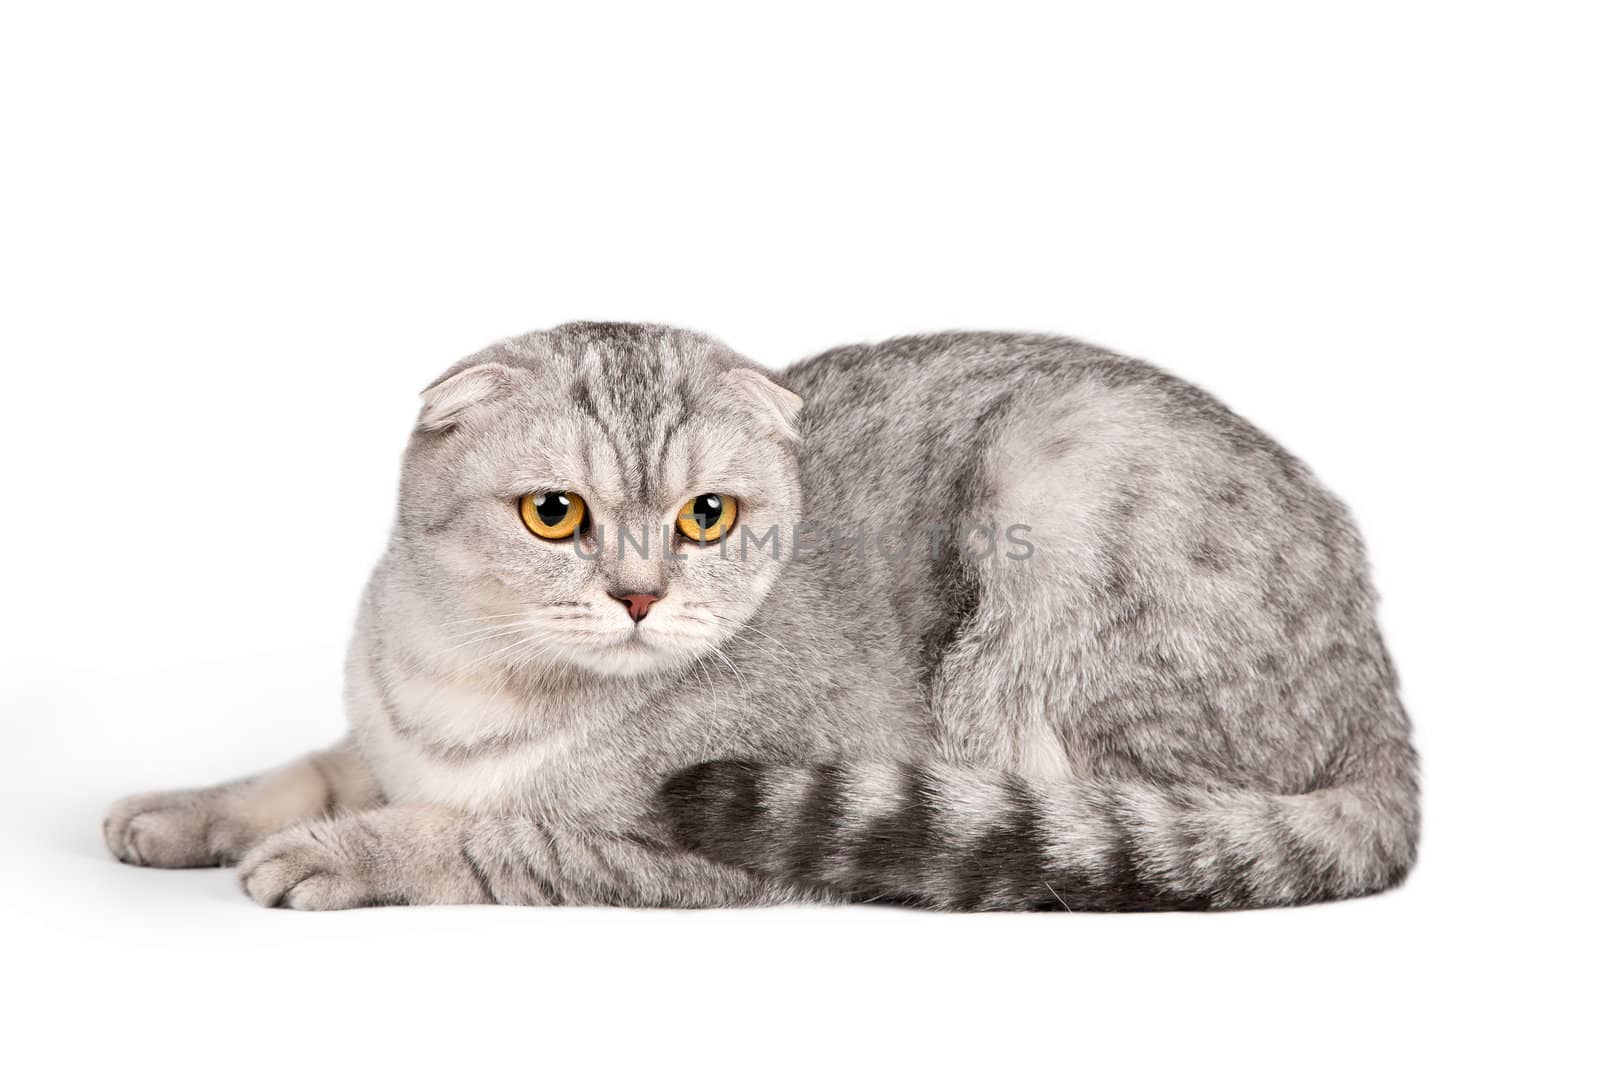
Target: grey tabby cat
(812,668)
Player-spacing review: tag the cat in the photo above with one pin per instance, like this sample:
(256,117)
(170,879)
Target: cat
(986,622)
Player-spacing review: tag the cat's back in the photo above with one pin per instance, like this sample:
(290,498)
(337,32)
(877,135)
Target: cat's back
(1126,472)
(912,378)
(921,416)
(951,383)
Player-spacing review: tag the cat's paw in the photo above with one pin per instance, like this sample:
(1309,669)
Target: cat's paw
(172,830)
(311,867)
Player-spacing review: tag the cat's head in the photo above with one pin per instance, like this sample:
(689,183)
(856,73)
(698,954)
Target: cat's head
(588,498)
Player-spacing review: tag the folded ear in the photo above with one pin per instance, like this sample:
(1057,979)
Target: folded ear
(447,400)
(776,403)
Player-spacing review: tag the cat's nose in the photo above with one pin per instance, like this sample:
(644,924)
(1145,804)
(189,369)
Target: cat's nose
(638,603)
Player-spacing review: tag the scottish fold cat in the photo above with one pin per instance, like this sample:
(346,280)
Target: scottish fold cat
(966,621)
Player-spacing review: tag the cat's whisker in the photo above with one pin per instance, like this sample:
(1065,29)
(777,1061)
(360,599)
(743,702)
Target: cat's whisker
(743,682)
(498,620)
(480,618)
(703,674)
(488,636)
(777,658)
(482,660)
(766,650)
(471,635)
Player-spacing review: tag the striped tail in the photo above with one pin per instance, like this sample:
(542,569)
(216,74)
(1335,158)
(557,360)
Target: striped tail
(950,838)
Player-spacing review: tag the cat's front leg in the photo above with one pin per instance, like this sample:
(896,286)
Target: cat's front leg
(393,856)
(418,855)
(218,825)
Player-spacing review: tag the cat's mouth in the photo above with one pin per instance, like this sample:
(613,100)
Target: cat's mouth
(641,649)
(631,641)
(630,653)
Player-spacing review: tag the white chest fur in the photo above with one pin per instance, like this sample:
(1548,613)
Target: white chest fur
(468,743)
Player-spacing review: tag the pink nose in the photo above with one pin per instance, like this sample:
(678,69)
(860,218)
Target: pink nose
(638,603)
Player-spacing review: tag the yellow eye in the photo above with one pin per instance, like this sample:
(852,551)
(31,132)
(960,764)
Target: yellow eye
(707,518)
(552,515)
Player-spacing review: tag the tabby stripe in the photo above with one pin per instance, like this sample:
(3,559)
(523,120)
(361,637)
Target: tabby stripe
(1008,856)
(549,887)
(475,868)
(1316,874)
(817,825)
(895,851)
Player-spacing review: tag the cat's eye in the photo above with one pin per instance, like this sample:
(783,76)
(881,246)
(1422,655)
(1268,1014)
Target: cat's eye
(552,515)
(707,518)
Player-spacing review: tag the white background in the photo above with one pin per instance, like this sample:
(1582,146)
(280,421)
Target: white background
(236,244)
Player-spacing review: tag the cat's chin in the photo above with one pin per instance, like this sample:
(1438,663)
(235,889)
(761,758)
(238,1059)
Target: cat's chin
(630,657)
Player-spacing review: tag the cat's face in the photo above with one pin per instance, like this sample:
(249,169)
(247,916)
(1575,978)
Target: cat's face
(557,482)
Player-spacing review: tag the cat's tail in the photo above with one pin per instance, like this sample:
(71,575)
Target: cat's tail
(960,839)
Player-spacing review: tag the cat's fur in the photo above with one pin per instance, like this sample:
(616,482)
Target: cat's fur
(1179,700)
